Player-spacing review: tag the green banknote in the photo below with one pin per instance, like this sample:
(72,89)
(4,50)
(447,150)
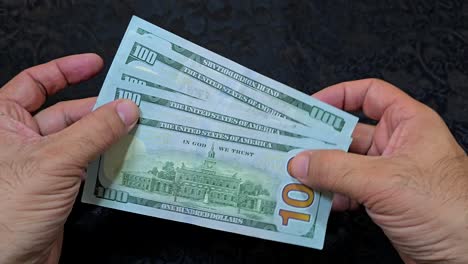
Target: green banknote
(179,166)
(219,91)
(170,167)
(168,107)
(165,98)
(160,102)
(158,83)
(158,47)
(213,142)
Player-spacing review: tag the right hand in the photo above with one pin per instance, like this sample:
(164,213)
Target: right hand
(408,172)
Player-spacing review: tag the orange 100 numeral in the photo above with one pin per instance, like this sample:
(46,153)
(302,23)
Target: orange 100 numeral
(286,214)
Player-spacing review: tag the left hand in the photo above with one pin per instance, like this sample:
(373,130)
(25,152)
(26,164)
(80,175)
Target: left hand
(43,157)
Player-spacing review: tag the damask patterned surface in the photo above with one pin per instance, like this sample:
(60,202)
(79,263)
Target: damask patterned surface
(418,45)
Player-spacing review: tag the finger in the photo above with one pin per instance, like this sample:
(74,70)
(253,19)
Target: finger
(362,139)
(336,171)
(31,87)
(95,133)
(343,203)
(372,96)
(63,114)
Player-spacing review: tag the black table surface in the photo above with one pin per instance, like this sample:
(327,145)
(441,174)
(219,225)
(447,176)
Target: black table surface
(418,45)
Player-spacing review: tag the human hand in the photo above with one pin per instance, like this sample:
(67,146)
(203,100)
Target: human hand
(408,172)
(43,157)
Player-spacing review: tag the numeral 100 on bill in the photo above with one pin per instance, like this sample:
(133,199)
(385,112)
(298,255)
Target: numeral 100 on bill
(122,94)
(295,207)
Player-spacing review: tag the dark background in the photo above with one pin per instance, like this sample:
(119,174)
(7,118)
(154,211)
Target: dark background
(418,45)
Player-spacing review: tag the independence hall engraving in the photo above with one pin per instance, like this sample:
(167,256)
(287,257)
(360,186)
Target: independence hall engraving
(202,184)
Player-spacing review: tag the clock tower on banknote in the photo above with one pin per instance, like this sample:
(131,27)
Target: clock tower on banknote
(210,162)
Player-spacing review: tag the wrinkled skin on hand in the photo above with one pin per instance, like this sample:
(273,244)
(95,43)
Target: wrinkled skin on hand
(43,156)
(408,172)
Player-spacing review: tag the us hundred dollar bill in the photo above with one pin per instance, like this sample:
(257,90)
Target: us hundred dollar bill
(213,142)
(148,48)
(201,171)
(169,108)
(210,176)
(163,97)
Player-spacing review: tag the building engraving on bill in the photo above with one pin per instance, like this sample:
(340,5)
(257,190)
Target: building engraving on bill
(205,184)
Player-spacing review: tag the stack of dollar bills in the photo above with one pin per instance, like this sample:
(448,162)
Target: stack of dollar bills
(213,142)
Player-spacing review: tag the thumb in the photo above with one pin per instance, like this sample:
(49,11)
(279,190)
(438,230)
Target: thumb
(95,133)
(336,171)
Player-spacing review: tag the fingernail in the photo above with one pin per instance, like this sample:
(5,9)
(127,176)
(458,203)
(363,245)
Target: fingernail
(128,112)
(299,166)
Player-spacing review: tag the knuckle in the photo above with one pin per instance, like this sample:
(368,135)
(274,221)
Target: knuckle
(431,113)
(428,117)
(401,112)
(379,83)
(11,109)
(60,105)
